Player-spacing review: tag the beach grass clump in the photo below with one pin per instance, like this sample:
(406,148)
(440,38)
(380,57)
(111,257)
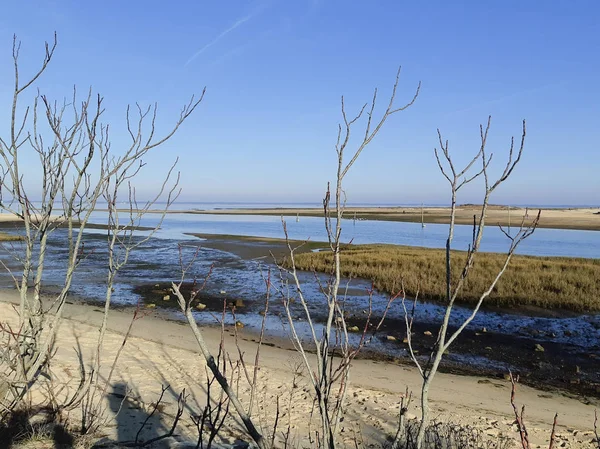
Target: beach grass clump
(546,282)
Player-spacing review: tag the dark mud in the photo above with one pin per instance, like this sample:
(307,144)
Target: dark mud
(540,363)
(161,295)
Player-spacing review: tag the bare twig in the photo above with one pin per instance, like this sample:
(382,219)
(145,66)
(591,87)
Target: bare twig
(458,178)
(185,305)
(520,417)
(329,381)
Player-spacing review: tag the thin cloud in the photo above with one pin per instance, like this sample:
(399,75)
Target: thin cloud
(219,37)
(505,98)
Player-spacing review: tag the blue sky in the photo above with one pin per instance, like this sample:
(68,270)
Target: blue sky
(275,71)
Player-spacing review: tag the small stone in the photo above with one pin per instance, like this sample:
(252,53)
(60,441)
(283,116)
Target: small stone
(391,338)
(239,324)
(405,340)
(353,329)
(483,330)
(200,306)
(166,297)
(150,306)
(488,348)
(223,292)
(429,334)
(156,285)
(539,348)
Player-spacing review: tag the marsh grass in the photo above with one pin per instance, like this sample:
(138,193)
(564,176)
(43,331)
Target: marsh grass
(546,282)
(5,237)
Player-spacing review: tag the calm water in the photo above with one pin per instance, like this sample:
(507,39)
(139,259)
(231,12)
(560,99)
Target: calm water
(544,242)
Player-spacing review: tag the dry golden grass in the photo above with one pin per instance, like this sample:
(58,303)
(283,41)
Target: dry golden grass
(4,237)
(547,282)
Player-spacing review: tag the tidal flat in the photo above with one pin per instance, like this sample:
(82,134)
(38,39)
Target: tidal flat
(498,340)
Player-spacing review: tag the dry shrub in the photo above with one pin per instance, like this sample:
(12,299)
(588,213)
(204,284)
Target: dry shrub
(441,435)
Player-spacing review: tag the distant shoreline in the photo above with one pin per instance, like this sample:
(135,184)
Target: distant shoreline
(575,218)
(585,219)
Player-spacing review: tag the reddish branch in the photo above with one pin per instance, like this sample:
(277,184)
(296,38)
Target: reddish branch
(520,417)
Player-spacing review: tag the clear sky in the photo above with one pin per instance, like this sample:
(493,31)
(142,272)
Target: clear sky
(275,71)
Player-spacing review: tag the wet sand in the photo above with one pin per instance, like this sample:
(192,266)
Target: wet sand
(565,218)
(248,247)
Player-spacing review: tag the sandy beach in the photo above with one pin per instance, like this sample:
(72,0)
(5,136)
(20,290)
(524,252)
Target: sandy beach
(162,352)
(559,218)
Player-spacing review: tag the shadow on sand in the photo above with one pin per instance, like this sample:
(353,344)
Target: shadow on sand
(27,427)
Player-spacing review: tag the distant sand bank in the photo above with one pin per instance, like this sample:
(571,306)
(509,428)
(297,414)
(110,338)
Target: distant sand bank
(571,218)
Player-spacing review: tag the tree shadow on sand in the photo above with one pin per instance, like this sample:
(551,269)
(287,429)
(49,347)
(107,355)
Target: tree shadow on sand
(134,423)
(28,426)
(138,424)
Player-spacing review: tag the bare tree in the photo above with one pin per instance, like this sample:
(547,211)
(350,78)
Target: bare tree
(330,370)
(329,381)
(458,178)
(79,168)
